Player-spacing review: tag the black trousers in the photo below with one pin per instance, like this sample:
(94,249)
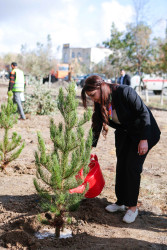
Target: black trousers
(128,169)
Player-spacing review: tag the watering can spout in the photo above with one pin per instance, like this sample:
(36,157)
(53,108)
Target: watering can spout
(80,189)
(94,178)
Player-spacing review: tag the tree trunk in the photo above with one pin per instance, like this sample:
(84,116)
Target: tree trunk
(57,232)
(139,71)
(146,93)
(41,79)
(27,80)
(162,93)
(49,83)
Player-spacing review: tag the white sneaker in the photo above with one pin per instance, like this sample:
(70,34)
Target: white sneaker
(114,208)
(130,216)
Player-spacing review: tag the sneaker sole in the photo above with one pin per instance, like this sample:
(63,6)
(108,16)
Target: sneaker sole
(128,222)
(118,210)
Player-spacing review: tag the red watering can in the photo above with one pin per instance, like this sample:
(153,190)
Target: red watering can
(94,178)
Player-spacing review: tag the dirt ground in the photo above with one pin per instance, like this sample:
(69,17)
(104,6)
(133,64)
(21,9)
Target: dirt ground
(93,227)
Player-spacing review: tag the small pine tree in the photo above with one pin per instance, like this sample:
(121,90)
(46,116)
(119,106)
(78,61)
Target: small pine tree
(57,170)
(9,117)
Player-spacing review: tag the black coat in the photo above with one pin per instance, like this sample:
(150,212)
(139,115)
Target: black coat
(126,80)
(135,117)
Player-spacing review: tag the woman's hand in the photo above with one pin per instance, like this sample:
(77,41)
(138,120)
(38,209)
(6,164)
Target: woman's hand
(142,147)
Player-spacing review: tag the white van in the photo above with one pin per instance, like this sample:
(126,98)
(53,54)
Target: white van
(152,82)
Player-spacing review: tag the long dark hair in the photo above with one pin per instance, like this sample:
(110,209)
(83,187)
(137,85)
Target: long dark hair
(100,115)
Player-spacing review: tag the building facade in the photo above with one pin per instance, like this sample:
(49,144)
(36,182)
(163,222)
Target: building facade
(87,56)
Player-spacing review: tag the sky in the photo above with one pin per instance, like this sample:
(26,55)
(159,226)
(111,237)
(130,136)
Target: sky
(81,23)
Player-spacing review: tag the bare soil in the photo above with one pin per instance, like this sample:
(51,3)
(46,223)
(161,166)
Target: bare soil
(93,227)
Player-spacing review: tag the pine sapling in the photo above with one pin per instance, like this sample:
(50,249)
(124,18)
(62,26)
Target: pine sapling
(10,149)
(57,171)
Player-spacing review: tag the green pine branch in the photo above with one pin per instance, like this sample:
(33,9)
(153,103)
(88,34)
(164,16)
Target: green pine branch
(16,154)
(16,139)
(10,149)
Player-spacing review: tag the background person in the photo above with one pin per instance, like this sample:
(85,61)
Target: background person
(16,85)
(136,132)
(124,79)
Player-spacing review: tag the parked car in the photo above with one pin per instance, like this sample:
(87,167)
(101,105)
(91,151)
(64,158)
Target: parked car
(82,82)
(152,82)
(108,80)
(78,79)
(66,78)
(114,80)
